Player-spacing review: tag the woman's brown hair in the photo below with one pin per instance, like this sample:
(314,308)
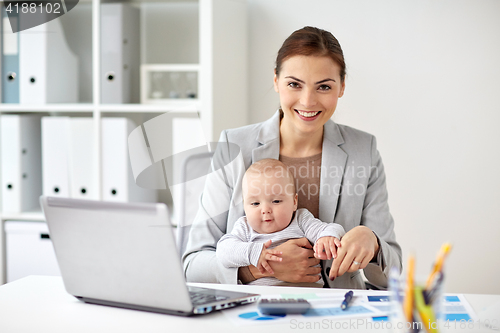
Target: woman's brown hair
(311,41)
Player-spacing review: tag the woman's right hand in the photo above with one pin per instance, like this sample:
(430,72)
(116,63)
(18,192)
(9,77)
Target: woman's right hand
(297,263)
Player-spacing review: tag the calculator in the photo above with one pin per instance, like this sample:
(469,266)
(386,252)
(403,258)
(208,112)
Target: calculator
(280,306)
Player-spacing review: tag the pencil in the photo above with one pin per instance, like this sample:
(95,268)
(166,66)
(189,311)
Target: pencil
(438,265)
(408,301)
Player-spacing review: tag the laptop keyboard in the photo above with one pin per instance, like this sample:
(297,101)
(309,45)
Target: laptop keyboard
(198,298)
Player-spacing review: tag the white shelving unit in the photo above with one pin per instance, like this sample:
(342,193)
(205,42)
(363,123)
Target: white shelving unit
(212,35)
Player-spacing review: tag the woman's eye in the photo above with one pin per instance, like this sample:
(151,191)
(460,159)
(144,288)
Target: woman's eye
(324,87)
(293,85)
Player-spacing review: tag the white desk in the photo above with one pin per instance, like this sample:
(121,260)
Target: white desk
(41,304)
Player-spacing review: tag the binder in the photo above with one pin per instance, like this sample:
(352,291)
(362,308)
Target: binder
(21,162)
(48,69)
(82,171)
(186,194)
(10,58)
(120,53)
(69,157)
(117,180)
(55,156)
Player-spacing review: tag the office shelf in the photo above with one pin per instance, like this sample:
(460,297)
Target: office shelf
(181,105)
(210,34)
(177,106)
(21,108)
(25,216)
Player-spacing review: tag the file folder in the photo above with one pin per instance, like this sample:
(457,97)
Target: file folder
(185,192)
(69,158)
(10,58)
(21,162)
(82,155)
(120,53)
(55,156)
(48,69)
(117,180)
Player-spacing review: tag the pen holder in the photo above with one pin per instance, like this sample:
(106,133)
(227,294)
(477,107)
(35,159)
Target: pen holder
(424,304)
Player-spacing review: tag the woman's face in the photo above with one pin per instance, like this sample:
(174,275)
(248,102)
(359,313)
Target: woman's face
(309,88)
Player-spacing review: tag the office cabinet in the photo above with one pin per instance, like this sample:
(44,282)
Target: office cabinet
(29,250)
(210,35)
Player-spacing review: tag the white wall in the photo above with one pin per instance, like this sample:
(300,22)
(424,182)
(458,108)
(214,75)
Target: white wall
(423,76)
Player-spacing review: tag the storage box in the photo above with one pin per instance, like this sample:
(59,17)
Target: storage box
(29,250)
(167,83)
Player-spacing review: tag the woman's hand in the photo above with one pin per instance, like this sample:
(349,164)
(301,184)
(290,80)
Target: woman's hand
(359,247)
(297,263)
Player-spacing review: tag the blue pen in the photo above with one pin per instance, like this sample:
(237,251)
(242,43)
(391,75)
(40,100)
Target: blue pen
(347,300)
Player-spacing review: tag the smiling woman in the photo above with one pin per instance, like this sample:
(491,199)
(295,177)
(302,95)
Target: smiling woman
(309,78)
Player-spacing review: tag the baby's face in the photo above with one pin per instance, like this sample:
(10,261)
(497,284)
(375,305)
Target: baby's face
(269,202)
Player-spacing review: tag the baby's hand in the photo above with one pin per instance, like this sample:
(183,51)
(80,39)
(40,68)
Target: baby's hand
(266,255)
(326,248)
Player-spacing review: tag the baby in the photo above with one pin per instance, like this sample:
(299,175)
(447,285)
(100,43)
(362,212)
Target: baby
(271,218)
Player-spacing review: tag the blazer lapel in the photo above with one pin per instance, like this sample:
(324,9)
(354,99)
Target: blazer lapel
(268,150)
(268,140)
(333,162)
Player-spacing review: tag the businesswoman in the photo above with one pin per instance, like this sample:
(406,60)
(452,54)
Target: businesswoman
(339,171)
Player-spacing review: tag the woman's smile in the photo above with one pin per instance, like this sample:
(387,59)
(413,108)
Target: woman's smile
(308,115)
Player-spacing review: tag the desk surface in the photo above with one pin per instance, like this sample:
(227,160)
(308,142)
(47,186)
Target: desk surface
(41,304)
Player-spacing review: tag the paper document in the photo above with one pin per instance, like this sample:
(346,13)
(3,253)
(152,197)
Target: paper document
(367,307)
(323,306)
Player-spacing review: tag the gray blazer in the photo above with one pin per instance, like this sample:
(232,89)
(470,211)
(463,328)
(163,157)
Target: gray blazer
(353,192)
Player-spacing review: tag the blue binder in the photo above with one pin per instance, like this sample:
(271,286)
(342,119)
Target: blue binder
(10,58)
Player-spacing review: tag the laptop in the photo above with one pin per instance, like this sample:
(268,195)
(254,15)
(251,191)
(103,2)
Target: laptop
(124,255)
